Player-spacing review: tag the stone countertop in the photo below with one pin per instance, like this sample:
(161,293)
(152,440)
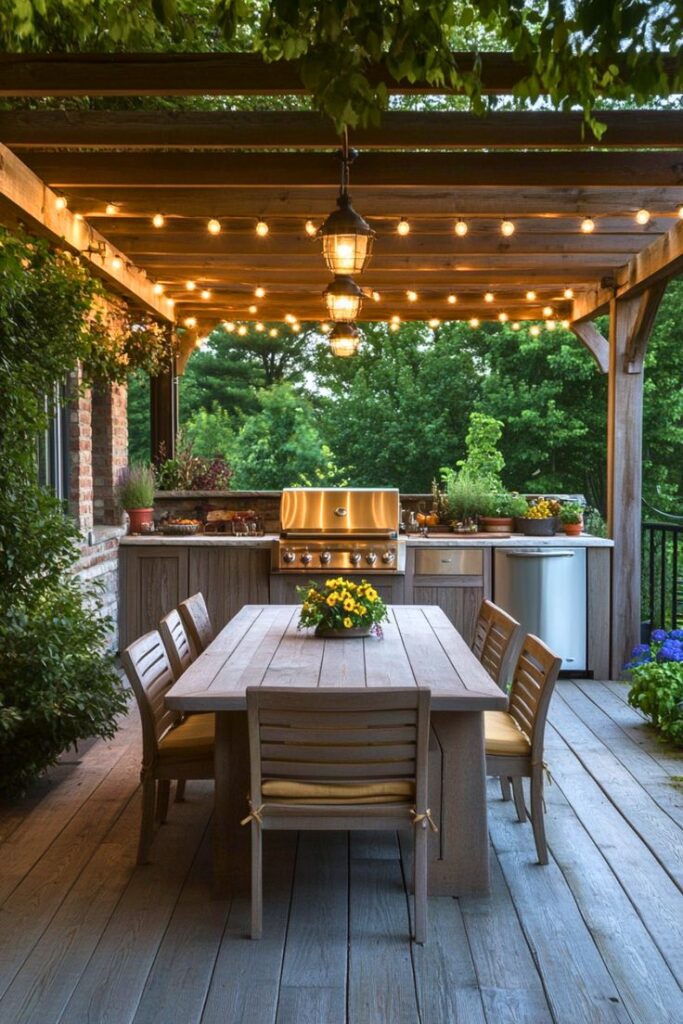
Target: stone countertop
(445,540)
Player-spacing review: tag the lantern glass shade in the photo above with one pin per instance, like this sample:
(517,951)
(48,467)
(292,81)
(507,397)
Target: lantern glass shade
(347,239)
(343,299)
(344,340)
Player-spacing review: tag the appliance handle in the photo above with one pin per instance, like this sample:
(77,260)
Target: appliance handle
(539,554)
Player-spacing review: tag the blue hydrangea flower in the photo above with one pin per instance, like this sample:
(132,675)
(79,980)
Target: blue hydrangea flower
(639,650)
(676,634)
(671,650)
(657,636)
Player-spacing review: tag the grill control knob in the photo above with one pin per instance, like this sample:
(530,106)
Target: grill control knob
(288,556)
(355,557)
(388,556)
(306,558)
(325,557)
(371,557)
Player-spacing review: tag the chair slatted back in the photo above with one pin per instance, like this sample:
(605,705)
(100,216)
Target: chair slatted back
(482,628)
(339,736)
(149,672)
(176,642)
(533,682)
(494,635)
(197,621)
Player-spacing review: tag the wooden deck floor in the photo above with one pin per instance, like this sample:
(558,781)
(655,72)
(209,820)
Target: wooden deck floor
(597,936)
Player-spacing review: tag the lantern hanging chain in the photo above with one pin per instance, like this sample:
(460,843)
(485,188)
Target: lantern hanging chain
(346,156)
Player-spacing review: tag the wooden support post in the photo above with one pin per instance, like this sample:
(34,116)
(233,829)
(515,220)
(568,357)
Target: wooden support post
(631,321)
(587,332)
(164,412)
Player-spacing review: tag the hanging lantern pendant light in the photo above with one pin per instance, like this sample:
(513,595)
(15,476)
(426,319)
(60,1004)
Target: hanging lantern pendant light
(343,298)
(344,340)
(347,238)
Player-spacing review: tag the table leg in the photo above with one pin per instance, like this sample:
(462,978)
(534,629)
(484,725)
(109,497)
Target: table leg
(461,867)
(230,839)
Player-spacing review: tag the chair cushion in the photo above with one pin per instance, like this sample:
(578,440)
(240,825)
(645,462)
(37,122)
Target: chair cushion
(503,735)
(192,740)
(399,791)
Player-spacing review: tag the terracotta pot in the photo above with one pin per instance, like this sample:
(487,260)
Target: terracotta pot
(572,529)
(536,527)
(342,634)
(497,524)
(138,517)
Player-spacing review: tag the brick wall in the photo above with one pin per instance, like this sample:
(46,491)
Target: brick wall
(109,448)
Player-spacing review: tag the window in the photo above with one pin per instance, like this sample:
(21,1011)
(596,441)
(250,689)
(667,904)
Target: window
(53,446)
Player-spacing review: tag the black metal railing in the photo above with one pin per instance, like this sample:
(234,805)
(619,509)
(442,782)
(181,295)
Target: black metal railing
(662,575)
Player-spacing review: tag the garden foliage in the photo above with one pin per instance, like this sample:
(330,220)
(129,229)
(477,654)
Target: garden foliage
(657,681)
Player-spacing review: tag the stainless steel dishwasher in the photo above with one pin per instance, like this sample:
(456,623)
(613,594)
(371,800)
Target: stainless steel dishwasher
(545,589)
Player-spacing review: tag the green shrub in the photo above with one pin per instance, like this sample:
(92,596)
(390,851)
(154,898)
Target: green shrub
(657,681)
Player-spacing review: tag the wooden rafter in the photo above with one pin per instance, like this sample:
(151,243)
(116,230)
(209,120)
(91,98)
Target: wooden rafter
(226,129)
(595,342)
(25,198)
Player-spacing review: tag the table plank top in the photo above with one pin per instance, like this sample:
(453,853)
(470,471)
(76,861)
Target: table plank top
(261,645)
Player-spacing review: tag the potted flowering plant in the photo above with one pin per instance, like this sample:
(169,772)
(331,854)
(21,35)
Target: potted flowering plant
(657,681)
(538,520)
(571,517)
(342,608)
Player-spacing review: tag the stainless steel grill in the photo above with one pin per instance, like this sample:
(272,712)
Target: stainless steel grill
(350,529)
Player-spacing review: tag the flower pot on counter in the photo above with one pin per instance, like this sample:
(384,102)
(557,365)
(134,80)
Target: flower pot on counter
(330,633)
(497,524)
(536,527)
(139,517)
(572,529)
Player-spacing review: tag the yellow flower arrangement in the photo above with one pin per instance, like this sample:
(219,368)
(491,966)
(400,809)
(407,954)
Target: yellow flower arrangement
(341,604)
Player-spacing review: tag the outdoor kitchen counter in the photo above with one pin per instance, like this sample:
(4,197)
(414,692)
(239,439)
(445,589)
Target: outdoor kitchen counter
(445,540)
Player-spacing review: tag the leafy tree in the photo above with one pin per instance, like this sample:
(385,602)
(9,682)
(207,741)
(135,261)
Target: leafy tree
(210,433)
(483,459)
(139,429)
(281,445)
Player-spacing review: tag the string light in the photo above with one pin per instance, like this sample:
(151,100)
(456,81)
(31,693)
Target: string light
(262,228)
(171,302)
(206,293)
(310,228)
(395,319)
(411,296)
(259,292)
(259,327)
(565,324)
(229,326)
(158,289)
(680,212)
(78,216)
(507,228)
(394,326)
(296,326)
(642,217)
(550,325)
(548,311)
(253,310)
(568,293)
(531,295)
(111,209)
(460,227)
(241,330)
(515,325)
(273,332)
(587,225)
(534,331)
(289,318)
(474,322)
(158,220)
(376,296)
(489,297)
(503,317)
(190,322)
(325,328)
(434,322)
(61,203)
(452,299)
(117,263)
(190,286)
(403,227)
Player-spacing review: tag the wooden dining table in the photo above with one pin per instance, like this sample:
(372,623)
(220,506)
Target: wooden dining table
(262,645)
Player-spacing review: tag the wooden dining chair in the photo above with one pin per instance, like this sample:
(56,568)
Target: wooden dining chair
(494,637)
(171,748)
(197,622)
(177,643)
(514,738)
(339,759)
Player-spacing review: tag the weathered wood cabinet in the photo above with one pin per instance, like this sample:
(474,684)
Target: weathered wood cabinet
(457,580)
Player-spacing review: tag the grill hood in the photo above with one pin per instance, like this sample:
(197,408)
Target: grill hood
(339,511)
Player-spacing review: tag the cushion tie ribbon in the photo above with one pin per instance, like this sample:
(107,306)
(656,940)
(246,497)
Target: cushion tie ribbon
(423,819)
(254,814)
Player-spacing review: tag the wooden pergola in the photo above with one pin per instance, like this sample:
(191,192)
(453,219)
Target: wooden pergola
(539,170)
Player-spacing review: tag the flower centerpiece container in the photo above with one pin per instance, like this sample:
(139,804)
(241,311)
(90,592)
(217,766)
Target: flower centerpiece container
(538,520)
(342,608)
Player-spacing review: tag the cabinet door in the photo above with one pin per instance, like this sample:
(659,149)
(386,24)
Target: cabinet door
(460,603)
(229,577)
(153,582)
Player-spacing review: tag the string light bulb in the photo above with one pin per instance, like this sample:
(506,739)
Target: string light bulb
(289,318)
(111,209)
(587,225)
(411,295)
(395,319)
(503,317)
(548,311)
(213,226)
(310,229)
(515,325)
(452,299)
(680,212)
(403,227)
(259,292)
(229,326)
(434,322)
(474,322)
(325,328)
(568,293)
(253,309)
(78,216)
(460,227)
(206,293)
(190,322)
(158,220)
(550,325)
(61,203)
(259,327)
(241,330)
(534,331)
(170,301)
(296,326)
(190,286)
(117,263)
(531,295)
(643,217)
(376,297)
(158,288)
(507,228)
(565,324)
(489,297)
(272,333)
(262,228)
(394,326)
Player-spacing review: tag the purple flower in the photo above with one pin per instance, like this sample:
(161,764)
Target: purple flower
(657,636)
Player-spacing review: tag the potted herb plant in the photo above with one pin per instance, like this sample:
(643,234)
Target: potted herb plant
(135,494)
(571,517)
(342,608)
(500,512)
(538,520)
(466,497)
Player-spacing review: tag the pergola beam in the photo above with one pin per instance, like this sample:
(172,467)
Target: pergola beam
(216,74)
(597,345)
(298,171)
(228,129)
(24,198)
